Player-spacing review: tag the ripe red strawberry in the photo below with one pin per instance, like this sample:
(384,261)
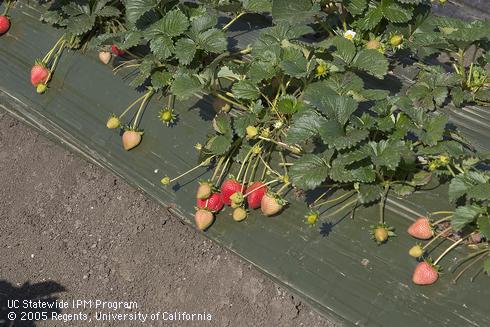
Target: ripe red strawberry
(204,218)
(271,204)
(228,188)
(421,229)
(39,74)
(255,193)
(204,190)
(118,52)
(4,24)
(131,139)
(214,203)
(425,274)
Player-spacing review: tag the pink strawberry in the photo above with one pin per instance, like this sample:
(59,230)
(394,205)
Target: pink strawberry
(214,203)
(131,139)
(204,190)
(4,24)
(425,274)
(255,193)
(421,229)
(118,52)
(204,218)
(271,204)
(39,74)
(228,188)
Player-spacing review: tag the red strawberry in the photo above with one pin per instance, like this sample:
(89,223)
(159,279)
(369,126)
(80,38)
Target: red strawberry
(228,188)
(214,203)
(39,74)
(421,229)
(271,204)
(425,274)
(4,24)
(203,218)
(118,52)
(255,193)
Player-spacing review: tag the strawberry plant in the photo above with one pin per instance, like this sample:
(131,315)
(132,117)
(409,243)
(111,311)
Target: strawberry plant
(82,21)
(468,52)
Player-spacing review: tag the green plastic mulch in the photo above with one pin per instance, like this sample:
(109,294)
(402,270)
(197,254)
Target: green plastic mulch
(335,266)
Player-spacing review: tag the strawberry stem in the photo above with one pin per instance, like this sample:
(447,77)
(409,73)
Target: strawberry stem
(232,21)
(437,222)
(476,258)
(261,186)
(449,249)
(7,7)
(331,200)
(279,192)
(142,106)
(436,237)
(440,213)
(131,105)
(382,204)
(342,208)
(202,164)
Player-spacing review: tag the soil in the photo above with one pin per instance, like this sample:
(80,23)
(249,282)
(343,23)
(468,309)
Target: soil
(70,230)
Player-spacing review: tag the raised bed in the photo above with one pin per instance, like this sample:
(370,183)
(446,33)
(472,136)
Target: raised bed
(338,270)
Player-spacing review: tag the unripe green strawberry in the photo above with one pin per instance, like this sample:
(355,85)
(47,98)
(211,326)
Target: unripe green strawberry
(416,251)
(167,116)
(381,233)
(239,214)
(41,88)
(252,131)
(113,122)
(396,40)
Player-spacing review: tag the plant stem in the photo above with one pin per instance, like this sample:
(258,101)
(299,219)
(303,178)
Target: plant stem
(262,186)
(332,200)
(436,237)
(142,106)
(343,207)
(449,249)
(215,173)
(477,257)
(233,21)
(131,105)
(382,204)
(279,192)
(204,163)
(437,222)
(440,213)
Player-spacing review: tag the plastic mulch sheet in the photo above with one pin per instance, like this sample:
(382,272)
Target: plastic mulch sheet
(336,268)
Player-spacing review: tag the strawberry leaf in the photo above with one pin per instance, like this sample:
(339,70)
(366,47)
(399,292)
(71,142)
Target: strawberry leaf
(465,215)
(369,193)
(305,125)
(486,266)
(245,90)
(219,144)
(185,49)
(309,171)
(484,225)
(185,86)
(371,61)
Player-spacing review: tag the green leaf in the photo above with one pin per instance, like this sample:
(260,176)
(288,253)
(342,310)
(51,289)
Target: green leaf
(185,86)
(343,174)
(185,49)
(394,12)
(293,10)
(464,215)
(202,23)
(260,71)
(369,193)
(161,79)
(343,49)
(294,63)
(434,130)
(372,18)
(223,124)
(241,123)
(480,192)
(287,104)
(80,24)
(355,7)
(218,145)
(245,90)
(334,135)
(305,125)
(137,8)
(484,225)
(257,6)
(387,153)
(308,172)
(109,11)
(162,46)
(371,61)
(212,40)
(174,23)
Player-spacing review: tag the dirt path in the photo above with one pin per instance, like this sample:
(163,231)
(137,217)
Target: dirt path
(72,231)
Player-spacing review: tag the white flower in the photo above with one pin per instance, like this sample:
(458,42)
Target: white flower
(350,34)
(278,124)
